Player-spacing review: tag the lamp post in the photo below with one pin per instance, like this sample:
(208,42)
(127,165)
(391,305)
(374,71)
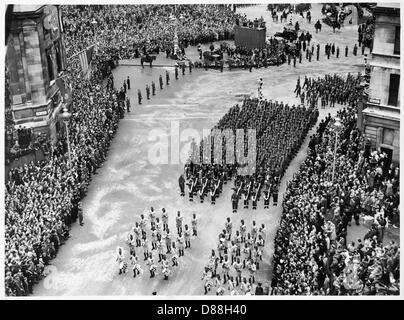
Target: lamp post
(66,115)
(337,128)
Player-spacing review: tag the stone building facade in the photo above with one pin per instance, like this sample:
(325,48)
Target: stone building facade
(35,59)
(381,113)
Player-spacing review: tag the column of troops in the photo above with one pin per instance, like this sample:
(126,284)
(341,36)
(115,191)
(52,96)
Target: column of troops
(234,265)
(280,130)
(156,240)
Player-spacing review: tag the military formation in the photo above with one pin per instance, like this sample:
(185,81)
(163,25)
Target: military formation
(280,130)
(232,268)
(160,246)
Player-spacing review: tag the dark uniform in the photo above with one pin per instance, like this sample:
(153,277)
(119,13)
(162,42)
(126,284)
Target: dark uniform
(337,52)
(190,67)
(176,72)
(355,49)
(128,83)
(153,88)
(346,51)
(139,96)
(161,82)
(147,92)
(167,78)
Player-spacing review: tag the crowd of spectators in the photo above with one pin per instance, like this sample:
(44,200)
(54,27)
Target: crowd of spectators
(129,30)
(312,255)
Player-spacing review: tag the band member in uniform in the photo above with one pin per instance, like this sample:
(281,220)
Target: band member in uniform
(138,234)
(194,223)
(153,87)
(152,265)
(180,242)
(135,266)
(165,269)
(160,250)
(152,216)
(169,243)
(178,222)
(131,244)
(145,245)
(187,237)
(164,218)
(237,265)
(174,256)
(121,260)
(243,230)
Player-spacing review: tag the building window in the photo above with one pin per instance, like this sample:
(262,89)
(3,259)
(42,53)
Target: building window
(393,89)
(397,41)
(51,74)
(388,136)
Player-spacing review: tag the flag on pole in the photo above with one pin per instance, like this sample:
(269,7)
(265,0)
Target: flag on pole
(85,58)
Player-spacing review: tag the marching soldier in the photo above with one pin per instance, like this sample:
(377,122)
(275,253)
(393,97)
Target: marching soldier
(266,199)
(176,72)
(161,82)
(178,222)
(164,218)
(147,92)
(152,265)
(167,78)
(180,241)
(153,87)
(139,96)
(187,237)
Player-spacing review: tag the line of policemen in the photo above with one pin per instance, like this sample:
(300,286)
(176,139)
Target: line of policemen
(152,89)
